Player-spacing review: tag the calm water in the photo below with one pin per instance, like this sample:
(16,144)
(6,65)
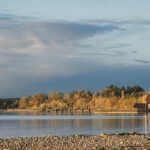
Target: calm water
(27,124)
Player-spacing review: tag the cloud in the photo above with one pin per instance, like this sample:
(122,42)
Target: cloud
(95,80)
(38,55)
(119,22)
(17,32)
(145,62)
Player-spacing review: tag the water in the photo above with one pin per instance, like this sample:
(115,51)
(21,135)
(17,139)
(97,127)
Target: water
(33,124)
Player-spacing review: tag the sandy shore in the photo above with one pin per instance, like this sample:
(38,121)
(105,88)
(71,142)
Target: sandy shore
(76,142)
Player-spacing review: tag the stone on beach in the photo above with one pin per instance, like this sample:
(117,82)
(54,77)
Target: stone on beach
(78,142)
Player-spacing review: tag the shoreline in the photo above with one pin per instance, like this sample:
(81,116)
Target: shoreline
(81,135)
(75,142)
(92,111)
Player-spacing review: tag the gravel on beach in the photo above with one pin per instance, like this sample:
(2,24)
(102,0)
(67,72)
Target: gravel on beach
(78,142)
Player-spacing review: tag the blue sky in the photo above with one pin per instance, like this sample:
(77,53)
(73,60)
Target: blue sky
(65,45)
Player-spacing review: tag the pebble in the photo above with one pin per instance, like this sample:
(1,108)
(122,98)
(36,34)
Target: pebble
(78,142)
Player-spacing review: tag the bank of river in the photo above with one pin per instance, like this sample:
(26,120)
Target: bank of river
(76,142)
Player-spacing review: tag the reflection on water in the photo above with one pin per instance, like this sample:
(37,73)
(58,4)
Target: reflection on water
(27,124)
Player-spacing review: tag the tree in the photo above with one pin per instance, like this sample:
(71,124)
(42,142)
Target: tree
(38,99)
(135,90)
(24,102)
(111,91)
(55,95)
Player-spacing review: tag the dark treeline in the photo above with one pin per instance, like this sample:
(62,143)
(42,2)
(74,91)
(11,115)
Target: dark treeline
(75,99)
(9,103)
(117,91)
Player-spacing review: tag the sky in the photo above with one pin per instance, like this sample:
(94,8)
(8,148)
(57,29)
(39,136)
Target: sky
(66,45)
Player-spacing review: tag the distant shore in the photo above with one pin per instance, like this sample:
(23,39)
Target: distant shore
(92,111)
(100,142)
